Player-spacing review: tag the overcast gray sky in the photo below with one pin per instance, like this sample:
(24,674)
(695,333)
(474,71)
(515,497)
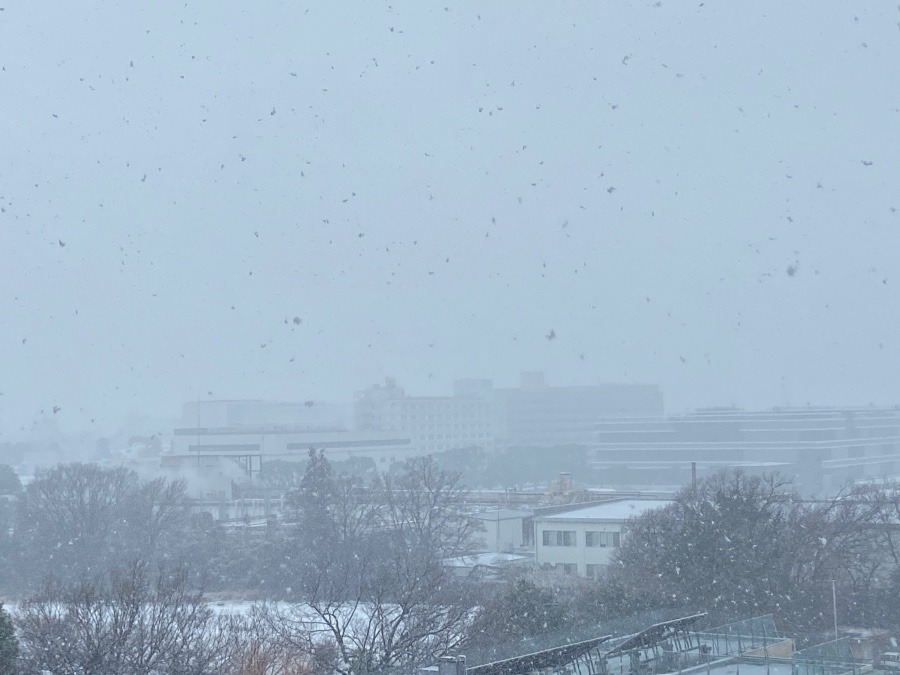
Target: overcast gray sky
(699,195)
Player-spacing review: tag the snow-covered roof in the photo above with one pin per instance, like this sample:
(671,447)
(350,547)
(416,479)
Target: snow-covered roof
(611,511)
(488,559)
(502,514)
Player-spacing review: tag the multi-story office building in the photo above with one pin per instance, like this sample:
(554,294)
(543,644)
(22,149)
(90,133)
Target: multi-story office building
(478,414)
(539,414)
(433,424)
(821,448)
(536,413)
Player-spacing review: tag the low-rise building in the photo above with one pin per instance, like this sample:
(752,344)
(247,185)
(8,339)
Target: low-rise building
(485,566)
(504,530)
(582,540)
(219,445)
(250,432)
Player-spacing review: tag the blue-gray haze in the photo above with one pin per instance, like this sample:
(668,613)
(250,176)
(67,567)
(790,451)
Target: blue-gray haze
(697,194)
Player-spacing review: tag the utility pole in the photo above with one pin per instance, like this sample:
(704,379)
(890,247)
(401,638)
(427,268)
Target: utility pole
(694,477)
(834,604)
(198,429)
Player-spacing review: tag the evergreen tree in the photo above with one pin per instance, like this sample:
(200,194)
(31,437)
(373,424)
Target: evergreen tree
(724,548)
(9,481)
(9,645)
(312,504)
(522,609)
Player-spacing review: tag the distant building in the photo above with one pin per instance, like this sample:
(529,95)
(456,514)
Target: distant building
(538,414)
(822,448)
(582,540)
(280,442)
(478,414)
(220,435)
(433,424)
(237,413)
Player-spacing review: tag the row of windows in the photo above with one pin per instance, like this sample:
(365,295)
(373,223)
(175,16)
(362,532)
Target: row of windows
(593,571)
(592,539)
(601,539)
(559,538)
(432,447)
(439,412)
(403,424)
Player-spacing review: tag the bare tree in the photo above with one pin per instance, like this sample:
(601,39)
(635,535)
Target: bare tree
(375,588)
(841,539)
(76,517)
(129,623)
(9,644)
(261,651)
(883,498)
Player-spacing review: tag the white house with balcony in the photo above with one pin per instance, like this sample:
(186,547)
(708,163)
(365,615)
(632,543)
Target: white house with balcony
(582,540)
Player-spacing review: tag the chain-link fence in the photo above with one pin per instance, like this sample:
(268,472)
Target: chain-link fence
(740,637)
(829,658)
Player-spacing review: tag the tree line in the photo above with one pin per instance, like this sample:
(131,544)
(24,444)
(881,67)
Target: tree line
(736,546)
(741,545)
(108,572)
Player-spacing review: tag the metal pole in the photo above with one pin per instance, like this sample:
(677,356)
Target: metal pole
(834,604)
(198,428)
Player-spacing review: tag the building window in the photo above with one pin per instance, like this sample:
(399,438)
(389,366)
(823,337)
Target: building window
(601,539)
(593,571)
(559,537)
(567,568)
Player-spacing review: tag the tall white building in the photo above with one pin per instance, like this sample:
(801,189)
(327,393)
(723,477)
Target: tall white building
(432,423)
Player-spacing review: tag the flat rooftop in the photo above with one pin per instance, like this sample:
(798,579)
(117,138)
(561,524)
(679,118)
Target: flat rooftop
(502,514)
(612,511)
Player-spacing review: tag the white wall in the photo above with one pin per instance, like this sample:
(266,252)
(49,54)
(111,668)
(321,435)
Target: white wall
(501,536)
(580,554)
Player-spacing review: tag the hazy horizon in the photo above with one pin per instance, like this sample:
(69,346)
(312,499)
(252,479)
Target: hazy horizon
(282,202)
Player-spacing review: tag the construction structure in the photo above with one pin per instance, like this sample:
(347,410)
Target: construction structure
(677,645)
